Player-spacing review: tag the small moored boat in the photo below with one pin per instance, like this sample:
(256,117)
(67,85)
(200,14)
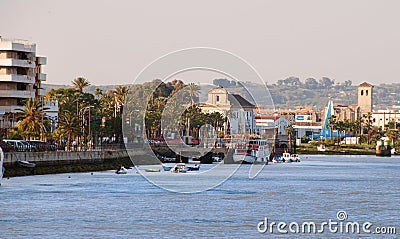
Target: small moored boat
(27,164)
(196,167)
(121,170)
(152,170)
(179,168)
(295,158)
(321,148)
(167,168)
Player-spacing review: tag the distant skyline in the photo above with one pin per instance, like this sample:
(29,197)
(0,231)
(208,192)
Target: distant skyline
(110,42)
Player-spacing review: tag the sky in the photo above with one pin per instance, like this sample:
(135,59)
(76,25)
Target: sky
(110,42)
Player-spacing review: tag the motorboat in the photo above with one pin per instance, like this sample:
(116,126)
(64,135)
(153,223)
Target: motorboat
(179,168)
(196,167)
(295,158)
(167,168)
(286,158)
(321,148)
(277,159)
(1,164)
(152,170)
(121,170)
(27,164)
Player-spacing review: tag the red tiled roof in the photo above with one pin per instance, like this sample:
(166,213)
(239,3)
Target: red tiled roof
(366,84)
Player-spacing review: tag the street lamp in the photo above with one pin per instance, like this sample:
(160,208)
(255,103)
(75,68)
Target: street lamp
(83,121)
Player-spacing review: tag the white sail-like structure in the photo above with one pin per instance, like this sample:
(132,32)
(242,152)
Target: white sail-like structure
(326,131)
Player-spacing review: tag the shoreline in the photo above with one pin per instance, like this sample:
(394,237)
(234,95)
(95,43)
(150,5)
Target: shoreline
(95,161)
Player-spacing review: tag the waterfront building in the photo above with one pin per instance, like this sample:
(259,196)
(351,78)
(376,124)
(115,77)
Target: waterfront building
(382,118)
(238,111)
(21,77)
(271,126)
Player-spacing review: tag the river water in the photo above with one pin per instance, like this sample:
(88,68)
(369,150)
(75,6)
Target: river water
(107,205)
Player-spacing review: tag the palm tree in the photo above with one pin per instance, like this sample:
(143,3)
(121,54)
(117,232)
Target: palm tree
(368,125)
(98,92)
(80,83)
(332,123)
(289,132)
(340,126)
(69,126)
(32,123)
(120,94)
(194,92)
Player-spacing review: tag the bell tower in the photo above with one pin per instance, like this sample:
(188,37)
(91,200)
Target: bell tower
(364,96)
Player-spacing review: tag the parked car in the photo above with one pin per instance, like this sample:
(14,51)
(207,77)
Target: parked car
(40,145)
(21,145)
(6,147)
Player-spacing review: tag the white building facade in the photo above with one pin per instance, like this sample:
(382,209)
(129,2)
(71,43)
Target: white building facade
(20,77)
(239,111)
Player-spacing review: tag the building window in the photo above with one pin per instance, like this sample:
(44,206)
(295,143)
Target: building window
(362,92)
(366,92)
(217,98)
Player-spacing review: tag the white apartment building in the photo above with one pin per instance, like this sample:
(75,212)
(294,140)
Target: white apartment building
(20,77)
(382,117)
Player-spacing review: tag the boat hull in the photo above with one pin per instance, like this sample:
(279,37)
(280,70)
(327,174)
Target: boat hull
(26,164)
(383,153)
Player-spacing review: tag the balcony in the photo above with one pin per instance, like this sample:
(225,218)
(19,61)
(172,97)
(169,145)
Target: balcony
(11,108)
(17,94)
(42,92)
(17,45)
(42,77)
(41,60)
(17,62)
(17,78)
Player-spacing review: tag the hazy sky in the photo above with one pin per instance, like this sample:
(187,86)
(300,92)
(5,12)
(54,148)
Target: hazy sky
(110,42)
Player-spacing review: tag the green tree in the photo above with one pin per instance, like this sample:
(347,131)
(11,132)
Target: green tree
(332,124)
(290,131)
(32,122)
(80,83)
(193,92)
(69,126)
(368,125)
(120,94)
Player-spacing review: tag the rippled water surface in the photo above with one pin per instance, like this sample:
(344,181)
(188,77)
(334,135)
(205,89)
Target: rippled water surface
(106,205)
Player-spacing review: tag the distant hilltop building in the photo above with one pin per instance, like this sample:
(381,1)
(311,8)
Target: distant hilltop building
(20,77)
(239,111)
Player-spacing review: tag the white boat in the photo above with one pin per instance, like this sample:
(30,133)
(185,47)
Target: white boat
(121,170)
(179,168)
(295,158)
(321,148)
(1,164)
(27,164)
(255,151)
(286,158)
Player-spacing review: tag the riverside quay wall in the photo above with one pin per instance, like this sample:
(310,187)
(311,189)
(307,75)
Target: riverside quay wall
(68,162)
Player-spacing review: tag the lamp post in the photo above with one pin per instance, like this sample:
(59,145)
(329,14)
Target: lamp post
(82,112)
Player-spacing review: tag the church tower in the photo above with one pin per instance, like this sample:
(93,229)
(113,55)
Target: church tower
(364,96)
